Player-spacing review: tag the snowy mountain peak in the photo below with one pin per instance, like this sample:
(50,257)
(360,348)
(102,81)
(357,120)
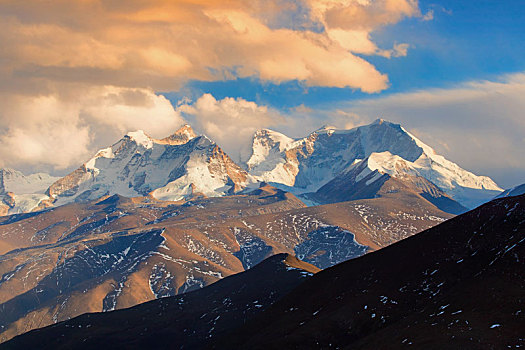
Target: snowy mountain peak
(141,138)
(23,193)
(179,137)
(172,168)
(325,129)
(305,165)
(12,180)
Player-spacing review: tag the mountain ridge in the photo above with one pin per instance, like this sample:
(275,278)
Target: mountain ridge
(456,285)
(306,164)
(173,168)
(185,165)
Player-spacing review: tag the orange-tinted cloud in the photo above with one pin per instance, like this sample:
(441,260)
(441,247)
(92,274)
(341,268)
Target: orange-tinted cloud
(162,44)
(72,62)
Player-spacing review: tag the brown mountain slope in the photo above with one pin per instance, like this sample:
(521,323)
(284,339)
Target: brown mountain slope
(119,252)
(458,285)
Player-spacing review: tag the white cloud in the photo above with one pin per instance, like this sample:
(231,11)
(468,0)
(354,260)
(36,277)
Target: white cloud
(77,74)
(62,131)
(162,44)
(130,109)
(230,122)
(428,16)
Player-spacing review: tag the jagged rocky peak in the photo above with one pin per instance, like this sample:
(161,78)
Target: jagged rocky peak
(140,138)
(181,136)
(172,168)
(273,136)
(310,162)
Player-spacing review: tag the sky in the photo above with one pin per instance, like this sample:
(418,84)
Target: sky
(76,75)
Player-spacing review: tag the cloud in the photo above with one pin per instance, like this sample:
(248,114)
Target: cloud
(57,131)
(76,74)
(479,124)
(428,16)
(230,122)
(162,44)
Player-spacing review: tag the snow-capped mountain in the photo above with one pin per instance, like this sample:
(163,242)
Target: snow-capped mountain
(173,168)
(21,193)
(514,191)
(185,164)
(360,182)
(306,164)
(12,180)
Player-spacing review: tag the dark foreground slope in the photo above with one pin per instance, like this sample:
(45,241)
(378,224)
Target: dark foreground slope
(186,321)
(459,285)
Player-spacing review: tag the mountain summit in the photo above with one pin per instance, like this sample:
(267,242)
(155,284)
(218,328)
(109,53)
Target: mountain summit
(23,193)
(172,168)
(307,164)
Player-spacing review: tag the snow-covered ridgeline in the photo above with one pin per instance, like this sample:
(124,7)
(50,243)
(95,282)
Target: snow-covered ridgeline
(23,193)
(307,164)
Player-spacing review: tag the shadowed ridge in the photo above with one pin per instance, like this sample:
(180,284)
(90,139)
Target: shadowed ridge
(189,320)
(457,285)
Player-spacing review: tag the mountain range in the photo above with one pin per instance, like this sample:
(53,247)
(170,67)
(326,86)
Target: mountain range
(116,252)
(354,163)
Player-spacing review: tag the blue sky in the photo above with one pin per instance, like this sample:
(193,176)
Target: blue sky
(465,41)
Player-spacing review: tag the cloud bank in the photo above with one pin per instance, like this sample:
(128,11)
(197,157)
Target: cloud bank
(479,124)
(161,44)
(54,132)
(75,74)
